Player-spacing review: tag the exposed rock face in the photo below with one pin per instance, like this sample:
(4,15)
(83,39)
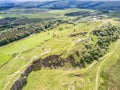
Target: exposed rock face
(27,71)
(52,61)
(18,85)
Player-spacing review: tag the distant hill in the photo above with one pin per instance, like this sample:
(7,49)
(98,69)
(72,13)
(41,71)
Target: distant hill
(4,6)
(60,4)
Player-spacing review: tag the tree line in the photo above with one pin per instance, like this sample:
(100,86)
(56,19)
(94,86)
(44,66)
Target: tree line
(26,30)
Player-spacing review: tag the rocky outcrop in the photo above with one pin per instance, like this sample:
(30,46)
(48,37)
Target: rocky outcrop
(18,85)
(52,61)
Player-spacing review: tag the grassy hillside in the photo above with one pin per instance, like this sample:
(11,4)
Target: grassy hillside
(73,78)
(43,44)
(64,79)
(55,42)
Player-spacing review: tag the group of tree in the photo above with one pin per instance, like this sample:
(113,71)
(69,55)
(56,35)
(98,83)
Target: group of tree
(105,37)
(94,52)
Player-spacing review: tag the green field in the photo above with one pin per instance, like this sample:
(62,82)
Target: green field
(4,58)
(19,13)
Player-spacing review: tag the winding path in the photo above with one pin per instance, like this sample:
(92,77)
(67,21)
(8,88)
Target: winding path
(102,63)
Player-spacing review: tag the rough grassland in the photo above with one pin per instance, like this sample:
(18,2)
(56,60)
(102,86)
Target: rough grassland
(24,51)
(65,79)
(85,79)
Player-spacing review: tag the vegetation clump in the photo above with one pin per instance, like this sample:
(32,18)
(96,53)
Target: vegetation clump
(104,39)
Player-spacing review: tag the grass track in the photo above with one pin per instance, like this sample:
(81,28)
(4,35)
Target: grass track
(102,63)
